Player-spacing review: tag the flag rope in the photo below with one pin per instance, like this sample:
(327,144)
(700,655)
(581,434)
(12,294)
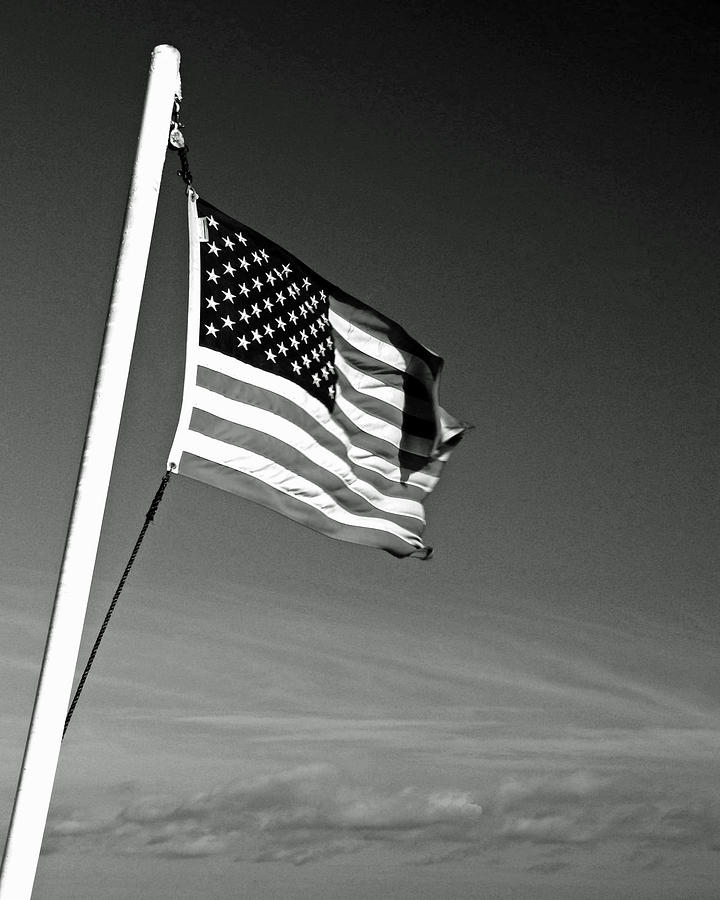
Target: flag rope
(176,142)
(149,516)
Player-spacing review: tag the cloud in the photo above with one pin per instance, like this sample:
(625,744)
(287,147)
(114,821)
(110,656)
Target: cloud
(297,816)
(316,812)
(581,808)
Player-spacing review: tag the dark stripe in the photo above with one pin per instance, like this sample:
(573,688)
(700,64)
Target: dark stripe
(406,460)
(419,358)
(422,430)
(257,491)
(290,458)
(419,391)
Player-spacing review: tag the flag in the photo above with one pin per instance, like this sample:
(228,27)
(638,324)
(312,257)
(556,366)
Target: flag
(301,398)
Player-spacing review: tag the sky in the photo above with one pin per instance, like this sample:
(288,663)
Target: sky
(535,712)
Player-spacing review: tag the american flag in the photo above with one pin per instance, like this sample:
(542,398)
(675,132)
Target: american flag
(303,399)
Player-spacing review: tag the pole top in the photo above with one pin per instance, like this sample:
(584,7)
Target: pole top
(167,58)
(166,48)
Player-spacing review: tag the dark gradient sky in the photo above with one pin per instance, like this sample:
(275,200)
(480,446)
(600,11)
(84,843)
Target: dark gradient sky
(535,713)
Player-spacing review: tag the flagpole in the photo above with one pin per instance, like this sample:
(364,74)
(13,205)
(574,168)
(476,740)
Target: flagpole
(42,749)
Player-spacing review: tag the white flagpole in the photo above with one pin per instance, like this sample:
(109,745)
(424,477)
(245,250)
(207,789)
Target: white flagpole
(42,749)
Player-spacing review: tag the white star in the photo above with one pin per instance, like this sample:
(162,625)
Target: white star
(315,354)
(306,283)
(212,276)
(257,284)
(280,297)
(211,222)
(280,323)
(244,264)
(264,255)
(241,238)
(269,330)
(292,317)
(303,337)
(270,278)
(306,361)
(214,249)
(229,270)
(282,349)
(228,295)
(322,295)
(244,316)
(228,243)
(228,322)
(286,270)
(243,342)
(257,257)
(316,379)
(211,329)
(294,343)
(256,336)
(268,303)
(244,290)
(331,390)
(328,343)
(212,304)
(291,289)
(296,368)
(270,355)
(303,310)
(325,372)
(313,330)
(255,309)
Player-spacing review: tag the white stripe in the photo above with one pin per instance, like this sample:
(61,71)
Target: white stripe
(289,483)
(371,387)
(374,346)
(382,429)
(276,426)
(288,390)
(372,425)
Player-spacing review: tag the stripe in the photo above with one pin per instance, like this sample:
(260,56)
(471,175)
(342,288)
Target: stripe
(317,506)
(237,380)
(246,486)
(372,461)
(385,353)
(379,428)
(420,431)
(385,329)
(244,422)
(349,362)
(413,469)
(275,451)
(418,392)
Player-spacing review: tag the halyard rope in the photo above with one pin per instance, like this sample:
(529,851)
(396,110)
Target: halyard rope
(149,516)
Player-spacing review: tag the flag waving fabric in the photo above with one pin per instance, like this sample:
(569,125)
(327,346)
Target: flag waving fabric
(303,399)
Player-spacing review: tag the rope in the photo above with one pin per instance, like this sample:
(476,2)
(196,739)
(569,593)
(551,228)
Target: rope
(149,516)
